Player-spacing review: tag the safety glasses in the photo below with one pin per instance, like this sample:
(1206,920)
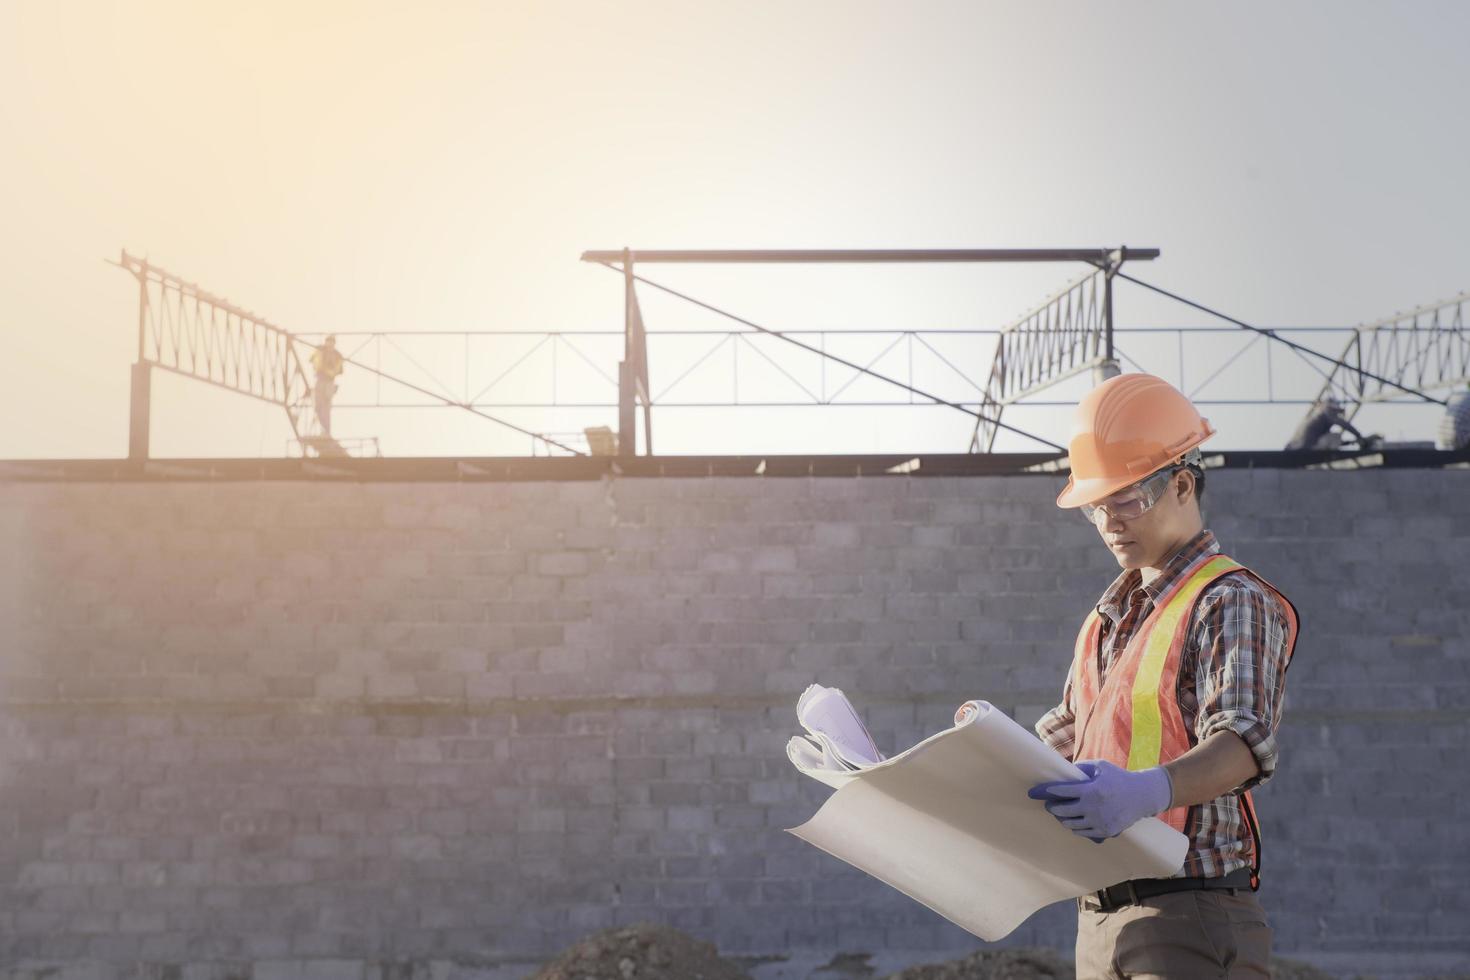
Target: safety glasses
(1131,502)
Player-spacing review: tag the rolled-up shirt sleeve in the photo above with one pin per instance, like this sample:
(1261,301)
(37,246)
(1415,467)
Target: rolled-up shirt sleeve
(1058,727)
(1241,676)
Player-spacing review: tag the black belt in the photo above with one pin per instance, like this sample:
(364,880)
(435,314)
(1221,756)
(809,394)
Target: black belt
(1137,889)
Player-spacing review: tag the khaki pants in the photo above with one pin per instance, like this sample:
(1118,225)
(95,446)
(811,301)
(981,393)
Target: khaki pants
(1180,936)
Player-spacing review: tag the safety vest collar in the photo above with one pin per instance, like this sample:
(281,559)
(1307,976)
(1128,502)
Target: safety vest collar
(1113,602)
(1138,693)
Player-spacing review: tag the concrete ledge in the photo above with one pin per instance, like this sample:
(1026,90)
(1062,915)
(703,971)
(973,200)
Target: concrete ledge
(556,468)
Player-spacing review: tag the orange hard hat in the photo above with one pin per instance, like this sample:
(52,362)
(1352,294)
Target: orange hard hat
(1124,429)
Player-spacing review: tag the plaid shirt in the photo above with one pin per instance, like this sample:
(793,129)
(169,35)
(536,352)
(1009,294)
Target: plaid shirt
(1231,678)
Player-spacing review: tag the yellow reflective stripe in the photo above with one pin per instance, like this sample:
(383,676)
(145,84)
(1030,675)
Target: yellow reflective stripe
(1147,742)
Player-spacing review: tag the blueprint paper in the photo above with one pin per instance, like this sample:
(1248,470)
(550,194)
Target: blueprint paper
(833,722)
(948,823)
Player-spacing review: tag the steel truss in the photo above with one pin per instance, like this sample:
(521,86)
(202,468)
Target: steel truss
(1427,348)
(190,332)
(193,333)
(187,331)
(1071,332)
(569,365)
(572,377)
(1363,371)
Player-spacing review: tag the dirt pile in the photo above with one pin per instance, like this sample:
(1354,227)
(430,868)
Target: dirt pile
(1044,964)
(640,952)
(995,964)
(1296,970)
(655,952)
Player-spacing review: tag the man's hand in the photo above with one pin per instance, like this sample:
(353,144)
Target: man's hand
(1108,802)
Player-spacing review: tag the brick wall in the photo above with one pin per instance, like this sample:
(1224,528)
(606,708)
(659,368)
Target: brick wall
(266,723)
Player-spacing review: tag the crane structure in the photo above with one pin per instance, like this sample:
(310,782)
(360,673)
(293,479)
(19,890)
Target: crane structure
(188,331)
(1070,333)
(1426,348)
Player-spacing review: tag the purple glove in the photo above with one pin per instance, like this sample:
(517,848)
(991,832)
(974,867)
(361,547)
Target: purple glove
(1110,800)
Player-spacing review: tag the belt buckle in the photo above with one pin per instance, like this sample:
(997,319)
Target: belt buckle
(1114,897)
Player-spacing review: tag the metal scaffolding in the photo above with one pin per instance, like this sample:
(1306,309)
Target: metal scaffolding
(1427,348)
(1070,333)
(190,332)
(187,331)
(981,373)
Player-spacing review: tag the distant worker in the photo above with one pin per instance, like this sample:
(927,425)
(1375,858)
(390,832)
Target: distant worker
(1454,425)
(327,362)
(1316,430)
(1174,697)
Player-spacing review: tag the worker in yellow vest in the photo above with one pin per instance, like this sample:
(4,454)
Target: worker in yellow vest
(327,363)
(1174,696)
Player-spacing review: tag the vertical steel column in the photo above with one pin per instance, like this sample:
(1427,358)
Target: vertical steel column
(139,410)
(627,382)
(1109,367)
(647,424)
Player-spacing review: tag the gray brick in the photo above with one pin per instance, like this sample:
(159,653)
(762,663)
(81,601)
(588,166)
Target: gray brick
(183,829)
(308,969)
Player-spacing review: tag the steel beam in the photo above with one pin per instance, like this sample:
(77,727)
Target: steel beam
(140,412)
(1095,256)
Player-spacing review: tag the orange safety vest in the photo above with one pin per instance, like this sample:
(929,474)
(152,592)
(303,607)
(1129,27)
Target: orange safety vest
(1132,718)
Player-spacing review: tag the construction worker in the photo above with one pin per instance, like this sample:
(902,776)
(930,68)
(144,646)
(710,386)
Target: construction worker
(1454,425)
(1174,696)
(1316,431)
(327,363)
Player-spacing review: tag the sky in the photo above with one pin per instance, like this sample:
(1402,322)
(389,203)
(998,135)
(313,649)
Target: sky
(405,168)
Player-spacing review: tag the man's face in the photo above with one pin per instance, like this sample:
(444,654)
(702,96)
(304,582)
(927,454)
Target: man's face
(1145,540)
